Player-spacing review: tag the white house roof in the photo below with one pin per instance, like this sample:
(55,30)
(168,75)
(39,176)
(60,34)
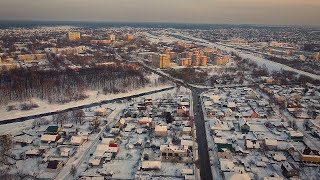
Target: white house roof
(145,120)
(272,178)
(107,140)
(76,140)
(220,140)
(48,137)
(32,152)
(231,104)
(271,142)
(186,143)
(244,176)
(100,109)
(184,103)
(187,171)
(151,164)
(186,129)
(160,128)
(226,165)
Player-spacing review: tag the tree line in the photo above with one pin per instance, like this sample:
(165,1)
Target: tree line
(62,86)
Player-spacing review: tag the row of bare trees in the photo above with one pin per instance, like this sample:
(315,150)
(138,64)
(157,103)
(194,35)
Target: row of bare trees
(68,85)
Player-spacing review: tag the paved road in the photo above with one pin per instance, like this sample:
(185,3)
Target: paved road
(205,168)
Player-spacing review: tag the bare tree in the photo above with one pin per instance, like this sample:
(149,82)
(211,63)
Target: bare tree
(60,118)
(78,116)
(6,144)
(73,170)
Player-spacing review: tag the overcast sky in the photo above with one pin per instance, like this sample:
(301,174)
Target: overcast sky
(292,12)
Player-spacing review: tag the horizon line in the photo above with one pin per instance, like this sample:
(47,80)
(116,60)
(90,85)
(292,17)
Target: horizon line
(155,22)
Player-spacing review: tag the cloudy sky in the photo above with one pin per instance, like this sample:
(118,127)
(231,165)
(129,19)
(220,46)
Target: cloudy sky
(290,12)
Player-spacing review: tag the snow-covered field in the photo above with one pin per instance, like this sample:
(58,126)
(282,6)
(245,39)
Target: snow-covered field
(94,97)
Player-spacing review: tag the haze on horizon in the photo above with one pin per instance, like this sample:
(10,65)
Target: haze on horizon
(287,12)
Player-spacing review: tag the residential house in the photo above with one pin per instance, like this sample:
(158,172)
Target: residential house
(55,165)
(66,151)
(244,126)
(77,140)
(186,130)
(53,130)
(271,144)
(34,153)
(295,135)
(310,156)
(252,144)
(49,138)
(172,151)
(161,130)
(223,144)
(224,153)
(145,121)
(289,170)
(100,111)
(119,124)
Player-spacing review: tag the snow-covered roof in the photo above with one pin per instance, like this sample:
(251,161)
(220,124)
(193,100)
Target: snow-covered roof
(161,128)
(95,161)
(101,110)
(49,138)
(244,176)
(33,152)
(187,171)
(295,133)
(145,120)
(151,165)
(107,140)
(186,143)
(231,105)
(226,165)
(76,140)
(220,140)
(271,142)
(272,178)
(252,144)
(186,129)
(184,104)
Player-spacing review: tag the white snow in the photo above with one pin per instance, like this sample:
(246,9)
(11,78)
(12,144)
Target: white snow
(94,97)
(272,66)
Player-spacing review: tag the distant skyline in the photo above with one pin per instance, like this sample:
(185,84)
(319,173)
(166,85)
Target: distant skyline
(274,12)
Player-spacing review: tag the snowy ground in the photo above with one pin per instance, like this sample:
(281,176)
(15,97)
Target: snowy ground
(94,97)
(272,66)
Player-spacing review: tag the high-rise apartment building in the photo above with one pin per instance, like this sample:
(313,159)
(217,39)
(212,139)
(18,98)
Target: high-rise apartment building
(112,37)
(186,62)
(203,60)
(74,36)
(161,60)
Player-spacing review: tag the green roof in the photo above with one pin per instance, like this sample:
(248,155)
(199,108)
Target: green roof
(52,129)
